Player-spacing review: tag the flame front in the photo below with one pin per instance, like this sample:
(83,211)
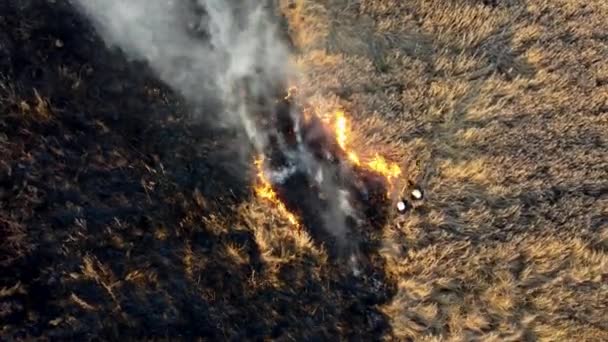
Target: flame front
(381,166)
(341,129)
(264,191)
(378,164)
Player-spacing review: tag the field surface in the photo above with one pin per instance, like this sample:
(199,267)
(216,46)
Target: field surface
(120,216)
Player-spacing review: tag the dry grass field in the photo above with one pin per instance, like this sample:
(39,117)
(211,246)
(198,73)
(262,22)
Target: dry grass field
(119,216)
(505,108)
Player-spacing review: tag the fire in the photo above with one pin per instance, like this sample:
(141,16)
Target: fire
(339,122)
(264,191)
(352,156)
(378,164)
(341,129)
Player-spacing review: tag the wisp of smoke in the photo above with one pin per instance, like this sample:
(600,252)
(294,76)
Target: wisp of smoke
(242,43)
(211,49)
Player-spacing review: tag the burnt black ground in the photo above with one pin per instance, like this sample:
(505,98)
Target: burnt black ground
(103,174)
(309,194)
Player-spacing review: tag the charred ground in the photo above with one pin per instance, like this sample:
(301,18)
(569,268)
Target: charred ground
(120,215)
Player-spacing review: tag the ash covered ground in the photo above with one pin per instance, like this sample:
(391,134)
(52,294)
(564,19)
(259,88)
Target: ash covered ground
(121,215)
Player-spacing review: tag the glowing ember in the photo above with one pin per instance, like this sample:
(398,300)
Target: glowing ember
(264,191)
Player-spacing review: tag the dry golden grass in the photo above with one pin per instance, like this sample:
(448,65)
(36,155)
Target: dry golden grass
(505,108)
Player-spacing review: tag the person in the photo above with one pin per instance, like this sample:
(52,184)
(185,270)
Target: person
(412,194)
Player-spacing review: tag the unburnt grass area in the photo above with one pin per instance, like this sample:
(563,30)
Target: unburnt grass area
(503,107)
(121,215)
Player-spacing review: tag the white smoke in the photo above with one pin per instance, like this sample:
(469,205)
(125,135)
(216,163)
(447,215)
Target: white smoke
(241,48)
(242,43)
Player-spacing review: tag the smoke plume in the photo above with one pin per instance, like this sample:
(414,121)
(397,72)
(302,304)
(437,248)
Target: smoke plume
(226,50)
(201,48)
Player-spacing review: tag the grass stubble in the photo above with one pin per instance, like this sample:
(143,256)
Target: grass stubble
(500,112)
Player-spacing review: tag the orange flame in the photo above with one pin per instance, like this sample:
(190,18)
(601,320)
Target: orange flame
(264,191)
(341,129)
(378,164)
(381,166)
